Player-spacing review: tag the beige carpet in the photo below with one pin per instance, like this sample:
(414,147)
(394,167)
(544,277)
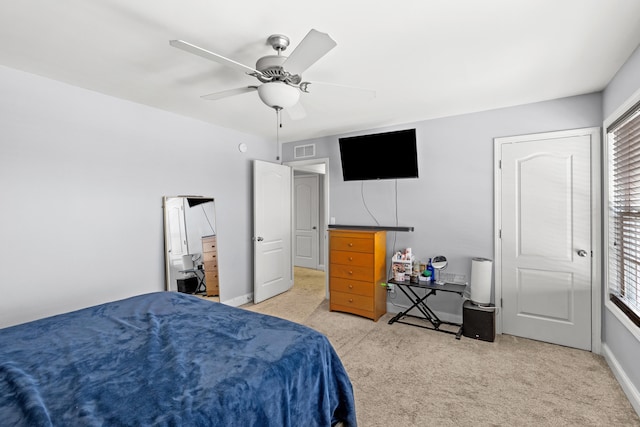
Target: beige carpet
(408,376)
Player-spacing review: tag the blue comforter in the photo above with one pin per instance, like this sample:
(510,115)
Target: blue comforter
(170,359)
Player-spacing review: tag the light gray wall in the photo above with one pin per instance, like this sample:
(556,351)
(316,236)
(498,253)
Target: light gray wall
(451,204)
(82,177)
(623,346)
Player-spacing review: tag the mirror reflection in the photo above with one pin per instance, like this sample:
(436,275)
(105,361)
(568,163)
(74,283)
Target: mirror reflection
(191,250)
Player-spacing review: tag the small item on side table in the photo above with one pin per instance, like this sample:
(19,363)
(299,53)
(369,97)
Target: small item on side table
(431,270)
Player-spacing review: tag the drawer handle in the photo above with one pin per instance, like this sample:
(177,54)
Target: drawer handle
(350,286)
(350,299)
(350,258)
(350,272)
(350,244)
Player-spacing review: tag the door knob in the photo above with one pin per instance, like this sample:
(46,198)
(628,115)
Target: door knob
(314,227)
(582,253)
(259,239)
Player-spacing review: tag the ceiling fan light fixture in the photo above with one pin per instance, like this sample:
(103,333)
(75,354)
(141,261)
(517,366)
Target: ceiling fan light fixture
(278,95)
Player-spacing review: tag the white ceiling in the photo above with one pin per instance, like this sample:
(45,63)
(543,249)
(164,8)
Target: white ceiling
(424,58)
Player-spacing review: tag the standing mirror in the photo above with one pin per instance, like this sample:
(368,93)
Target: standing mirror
(439,263)
(190,243)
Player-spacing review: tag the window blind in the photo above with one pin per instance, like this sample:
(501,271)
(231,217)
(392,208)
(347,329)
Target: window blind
(624,213)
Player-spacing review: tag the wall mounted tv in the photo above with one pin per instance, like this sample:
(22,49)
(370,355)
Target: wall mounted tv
(388,155)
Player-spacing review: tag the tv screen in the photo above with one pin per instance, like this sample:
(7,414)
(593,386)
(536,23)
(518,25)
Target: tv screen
(389,155)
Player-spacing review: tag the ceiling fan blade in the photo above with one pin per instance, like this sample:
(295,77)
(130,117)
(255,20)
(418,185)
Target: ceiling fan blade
(297,112)
(314,46)
(229,92)
(188,47)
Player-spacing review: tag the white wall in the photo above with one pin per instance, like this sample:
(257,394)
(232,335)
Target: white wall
(451,204)
(82,177)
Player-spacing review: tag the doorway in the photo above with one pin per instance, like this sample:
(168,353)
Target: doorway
(547,228)
(306,219)
(318,168)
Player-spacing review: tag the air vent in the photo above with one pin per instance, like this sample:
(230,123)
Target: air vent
(302,151)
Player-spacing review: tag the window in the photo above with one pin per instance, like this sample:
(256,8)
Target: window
(623,139)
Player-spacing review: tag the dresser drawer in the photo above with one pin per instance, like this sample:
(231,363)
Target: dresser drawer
(351,258)
(365,274)
(209,244)
(351,244)
(210,257)
(353,301)
(211,266)
(349,286)
(212,283)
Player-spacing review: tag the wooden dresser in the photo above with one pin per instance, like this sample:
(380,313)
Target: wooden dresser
(210,260)
(357,267)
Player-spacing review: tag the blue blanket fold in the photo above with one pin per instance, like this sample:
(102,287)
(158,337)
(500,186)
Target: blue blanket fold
(170,359)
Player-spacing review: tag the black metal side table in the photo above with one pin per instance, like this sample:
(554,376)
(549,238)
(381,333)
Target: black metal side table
(420,302)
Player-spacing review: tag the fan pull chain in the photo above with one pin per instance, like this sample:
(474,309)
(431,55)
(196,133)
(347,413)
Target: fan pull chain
(278,126)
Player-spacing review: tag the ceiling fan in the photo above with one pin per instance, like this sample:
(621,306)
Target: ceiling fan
(280,76)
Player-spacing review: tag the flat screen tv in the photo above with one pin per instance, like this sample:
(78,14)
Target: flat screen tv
(388,155)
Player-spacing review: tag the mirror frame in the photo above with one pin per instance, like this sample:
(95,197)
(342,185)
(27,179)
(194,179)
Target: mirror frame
(167,263)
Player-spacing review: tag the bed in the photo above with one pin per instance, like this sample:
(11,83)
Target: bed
(168,358)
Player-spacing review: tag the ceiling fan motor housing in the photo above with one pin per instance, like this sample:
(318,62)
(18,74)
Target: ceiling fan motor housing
(271,68)
(271,65)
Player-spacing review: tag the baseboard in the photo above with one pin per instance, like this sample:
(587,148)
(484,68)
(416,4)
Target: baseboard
(447,317)
(627,386)
(238,301)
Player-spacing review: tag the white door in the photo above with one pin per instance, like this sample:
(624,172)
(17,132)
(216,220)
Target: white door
(305,190)
(546,238)
(273,269)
